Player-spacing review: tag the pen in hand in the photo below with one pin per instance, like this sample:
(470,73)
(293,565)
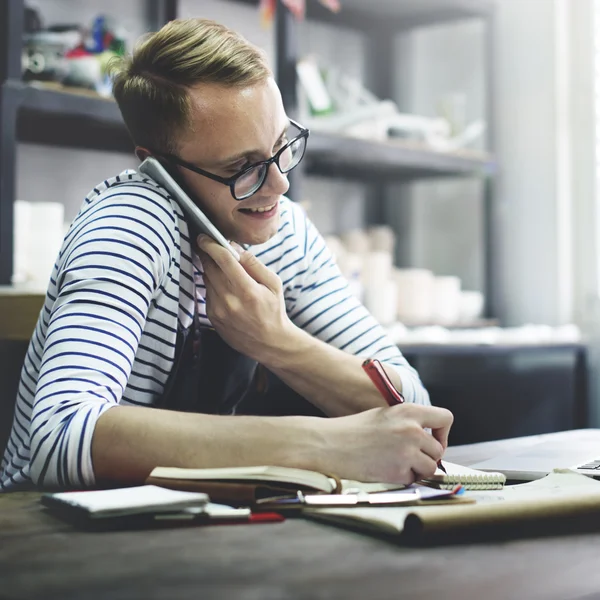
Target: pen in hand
(390,394)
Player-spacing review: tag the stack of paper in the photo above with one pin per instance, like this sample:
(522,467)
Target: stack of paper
(141,500)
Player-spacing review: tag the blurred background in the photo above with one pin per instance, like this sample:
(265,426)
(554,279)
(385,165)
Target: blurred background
(452,166)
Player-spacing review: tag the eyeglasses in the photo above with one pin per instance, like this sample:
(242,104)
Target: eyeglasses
(250,179)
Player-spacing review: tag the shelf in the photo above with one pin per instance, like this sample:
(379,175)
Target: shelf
(443,350)
(396,14)
(331,154)
(49,115)
(69,118)
(408,14)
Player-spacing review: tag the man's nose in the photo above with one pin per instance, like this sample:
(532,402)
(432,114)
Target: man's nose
(277,182)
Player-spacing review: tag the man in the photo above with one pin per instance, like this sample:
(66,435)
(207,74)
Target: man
(147,349)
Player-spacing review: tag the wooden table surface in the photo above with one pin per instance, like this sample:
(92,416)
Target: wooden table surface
(41,557)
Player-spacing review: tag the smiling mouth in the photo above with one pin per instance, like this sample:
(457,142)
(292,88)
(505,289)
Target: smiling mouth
(260,209)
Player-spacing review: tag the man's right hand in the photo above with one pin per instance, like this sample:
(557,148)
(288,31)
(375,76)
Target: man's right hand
(388,444)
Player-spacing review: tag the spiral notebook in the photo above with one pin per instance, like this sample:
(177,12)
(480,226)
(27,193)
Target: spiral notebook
(470,479)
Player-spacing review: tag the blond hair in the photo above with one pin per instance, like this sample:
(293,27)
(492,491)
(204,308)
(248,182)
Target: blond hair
(151,86)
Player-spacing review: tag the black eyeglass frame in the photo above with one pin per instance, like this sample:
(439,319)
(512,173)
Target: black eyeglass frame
(231,181)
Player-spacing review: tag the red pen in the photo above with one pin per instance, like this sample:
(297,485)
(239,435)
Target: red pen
(390,394)
(379,377)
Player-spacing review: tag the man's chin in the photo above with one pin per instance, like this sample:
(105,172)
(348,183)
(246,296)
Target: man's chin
(254,238)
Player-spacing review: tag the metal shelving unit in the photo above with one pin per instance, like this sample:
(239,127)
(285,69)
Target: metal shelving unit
(75,118)
(49,115)
(60,117)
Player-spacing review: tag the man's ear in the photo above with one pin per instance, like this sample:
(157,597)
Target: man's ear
(142,153)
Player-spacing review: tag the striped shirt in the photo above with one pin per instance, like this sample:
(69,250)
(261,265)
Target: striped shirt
(124,280)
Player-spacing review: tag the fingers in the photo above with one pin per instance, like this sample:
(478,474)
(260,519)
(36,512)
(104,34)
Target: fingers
(215,280)
(260,272)
(439,420)
(433,417)
(223,275)
(220,259)
(423,466)
(432,447)
(441,433)
(423,460)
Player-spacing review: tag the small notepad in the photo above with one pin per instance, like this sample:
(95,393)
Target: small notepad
(125,501)
(470,479)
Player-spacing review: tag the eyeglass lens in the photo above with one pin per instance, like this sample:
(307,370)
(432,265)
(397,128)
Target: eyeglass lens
(250,181)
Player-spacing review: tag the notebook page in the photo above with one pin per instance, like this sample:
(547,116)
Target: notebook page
(388,520)
(561,483)
(352,486)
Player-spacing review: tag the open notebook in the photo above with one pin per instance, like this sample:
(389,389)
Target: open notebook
(555,503)
(249,484)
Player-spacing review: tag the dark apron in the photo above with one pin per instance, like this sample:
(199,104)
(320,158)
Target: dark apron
(208,376)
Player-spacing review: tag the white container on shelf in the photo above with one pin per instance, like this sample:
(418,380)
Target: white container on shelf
(381,301)
(414,304)
(471,306)
(377,269)
(22,234)
(45,239)
(446,300)
(356,241)
(382,238)
(380,288)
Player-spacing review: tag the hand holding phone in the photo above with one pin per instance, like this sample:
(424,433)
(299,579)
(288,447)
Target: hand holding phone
(199,222)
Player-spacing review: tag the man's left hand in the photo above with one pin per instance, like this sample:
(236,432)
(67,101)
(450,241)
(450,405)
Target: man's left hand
(244,301)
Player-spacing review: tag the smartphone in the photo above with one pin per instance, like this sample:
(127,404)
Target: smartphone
(198,220)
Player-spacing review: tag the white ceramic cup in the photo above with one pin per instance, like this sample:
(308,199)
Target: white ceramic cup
(382,238)
(381,302)
(446,300)
(377,269)
(45,240)
(471,306)
(22,235)
(356,241)
(414,304)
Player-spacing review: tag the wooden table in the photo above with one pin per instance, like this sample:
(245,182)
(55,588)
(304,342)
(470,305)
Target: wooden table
(19,311)
(41,557)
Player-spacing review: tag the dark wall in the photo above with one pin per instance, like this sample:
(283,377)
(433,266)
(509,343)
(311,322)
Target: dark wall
(497,394)
(493,394)
(12,354)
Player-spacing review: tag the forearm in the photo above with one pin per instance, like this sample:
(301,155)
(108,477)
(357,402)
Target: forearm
(129,442)
(331,379)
